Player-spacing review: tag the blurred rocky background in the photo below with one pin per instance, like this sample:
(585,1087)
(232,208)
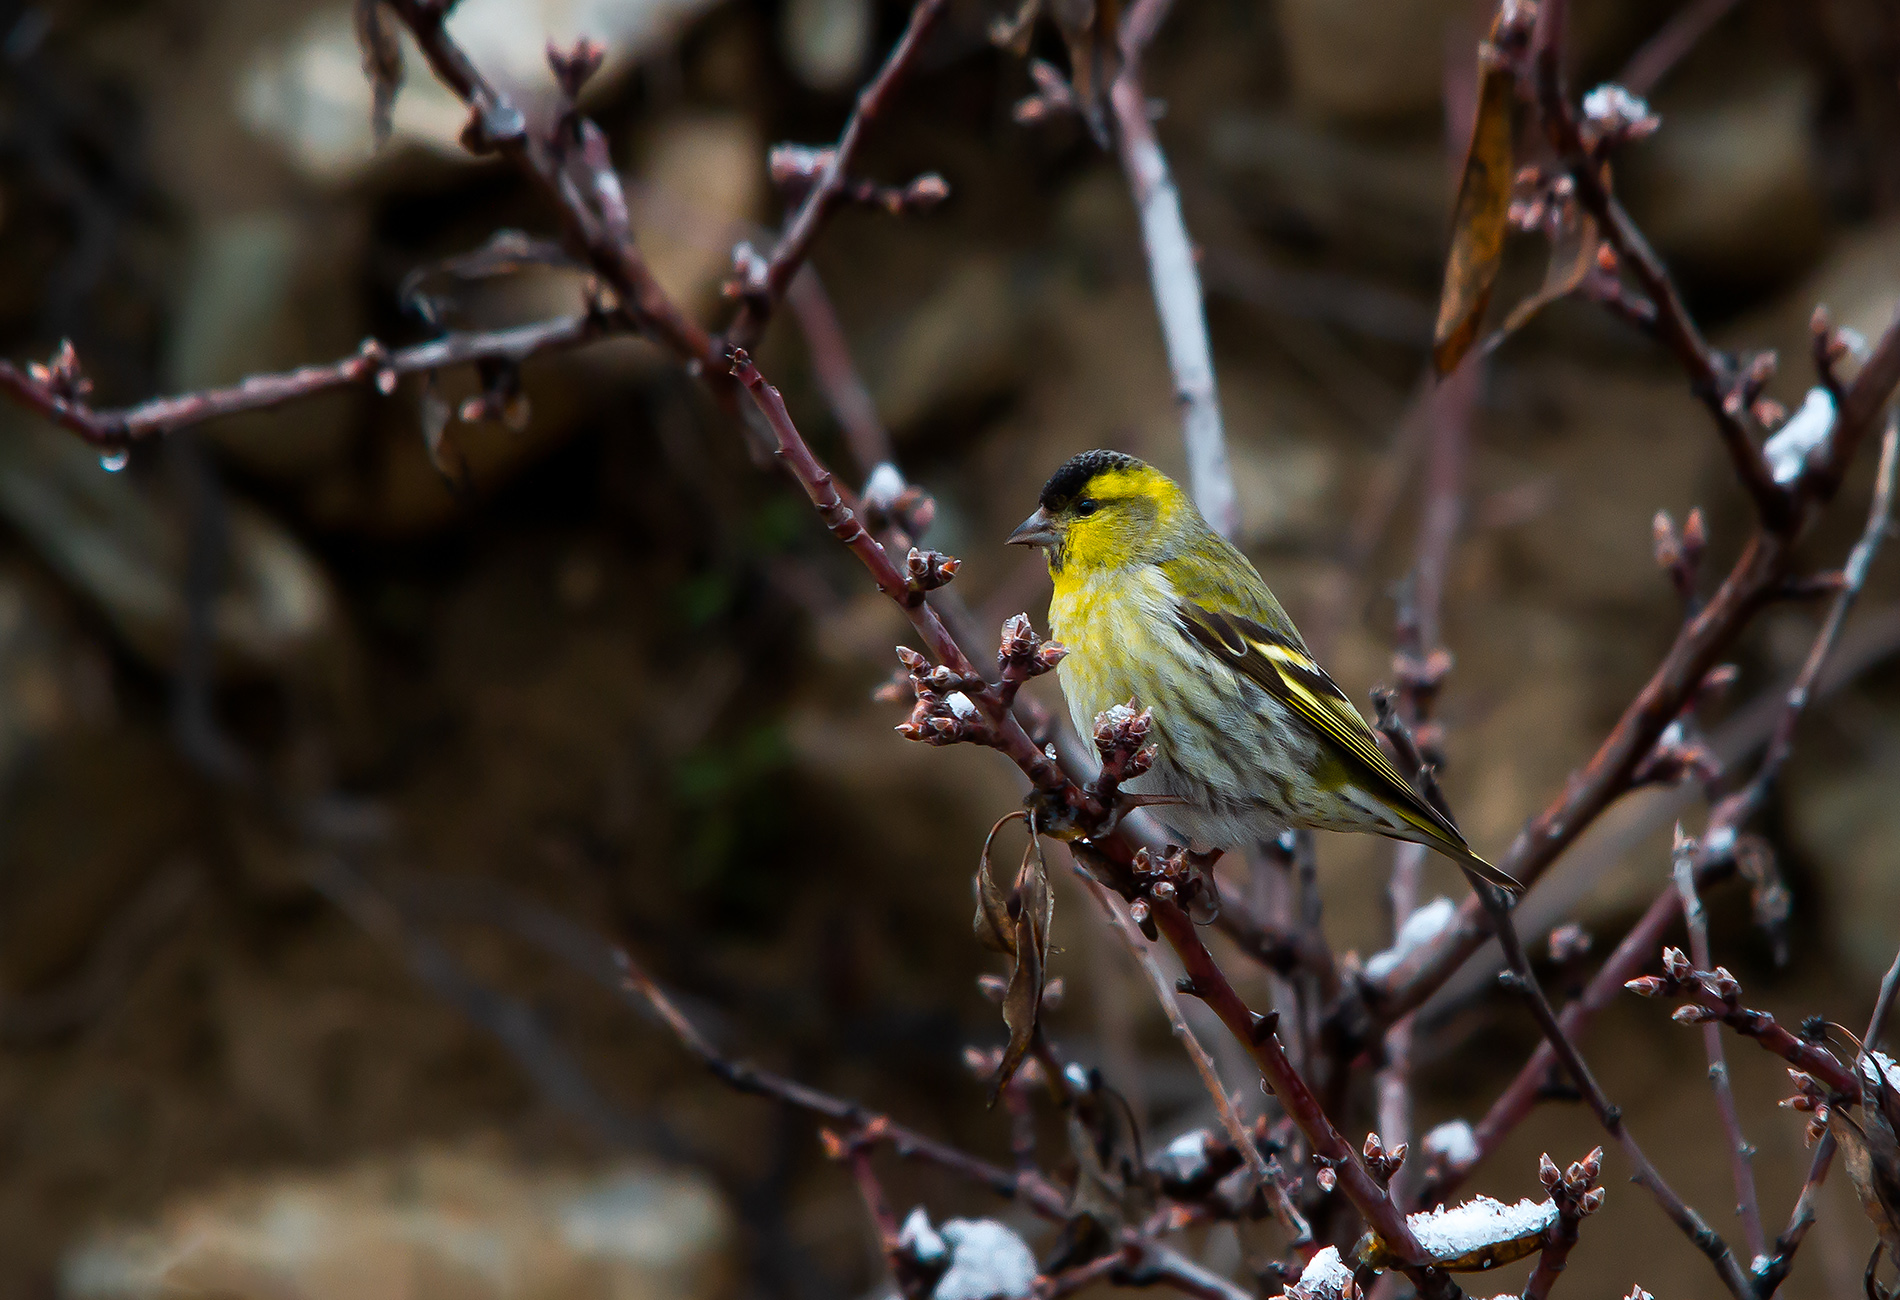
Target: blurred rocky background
(620,684)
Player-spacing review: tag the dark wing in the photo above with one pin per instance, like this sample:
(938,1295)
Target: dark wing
(1281,666)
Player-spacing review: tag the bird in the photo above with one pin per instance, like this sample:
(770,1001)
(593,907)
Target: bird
(1252,736)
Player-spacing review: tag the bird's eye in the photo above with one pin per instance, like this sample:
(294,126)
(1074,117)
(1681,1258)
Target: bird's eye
(1087,506)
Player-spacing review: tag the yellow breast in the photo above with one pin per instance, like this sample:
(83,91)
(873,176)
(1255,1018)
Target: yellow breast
(1119,627)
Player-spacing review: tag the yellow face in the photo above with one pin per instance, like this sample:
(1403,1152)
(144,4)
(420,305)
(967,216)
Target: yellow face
(1103,510)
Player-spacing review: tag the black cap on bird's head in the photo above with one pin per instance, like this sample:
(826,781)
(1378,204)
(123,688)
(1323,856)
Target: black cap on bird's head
(1078,472)
(1061,494)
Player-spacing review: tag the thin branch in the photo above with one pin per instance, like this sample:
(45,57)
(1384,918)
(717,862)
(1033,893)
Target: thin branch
(1029,1187)
(497,125)
(1532,1082)
(1711,377)
(829,190)
(1695,990)
(372,364)
(1882,1004)
(1662,51)
(1118,921)
(1758,575)
(1741,1154)
(1209,983)
(1735,810)
(1770,1275)
(1706,1239)
(1165,1265)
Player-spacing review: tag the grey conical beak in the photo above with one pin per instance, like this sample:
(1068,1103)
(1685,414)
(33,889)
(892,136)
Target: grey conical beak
(1037,530)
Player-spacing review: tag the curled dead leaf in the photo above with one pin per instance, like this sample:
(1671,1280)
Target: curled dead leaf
(1869,1137)
(1481,219)
(1017,925)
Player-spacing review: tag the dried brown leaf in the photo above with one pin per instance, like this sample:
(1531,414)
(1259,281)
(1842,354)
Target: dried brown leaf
(1869,1136)
(1033,909)
(382,63)
(1480,222)
(995,928)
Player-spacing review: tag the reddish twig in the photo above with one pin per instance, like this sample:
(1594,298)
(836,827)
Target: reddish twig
(1030,1188)
(1210,984)
(1711,376)
(1714,995)
(854,1150)
(1756,578)
(1532,1082)
(372,364)
(1230,1121)
(592,234)
(1706,1239)
(763,290)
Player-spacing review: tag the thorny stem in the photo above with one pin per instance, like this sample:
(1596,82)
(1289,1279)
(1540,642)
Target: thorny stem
(1741,1154)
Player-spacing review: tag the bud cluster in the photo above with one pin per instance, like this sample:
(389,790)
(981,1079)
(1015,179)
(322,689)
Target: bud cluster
(573,66)
(1573,1189)
(1717,993)
(1811,1099)
(994,987)
(1542,199)
(1121,738)
(1382,1162)
(929,570)
(1021,654)
(946,711)
(1830,348)
(1569,942)
(890,502)
(1171,878)
(61,376)
(1054,96)
(1679,554)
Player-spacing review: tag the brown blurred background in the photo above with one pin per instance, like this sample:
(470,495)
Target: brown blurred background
(624,678)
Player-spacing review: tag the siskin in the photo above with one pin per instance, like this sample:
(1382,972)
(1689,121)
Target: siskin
(1252,735)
